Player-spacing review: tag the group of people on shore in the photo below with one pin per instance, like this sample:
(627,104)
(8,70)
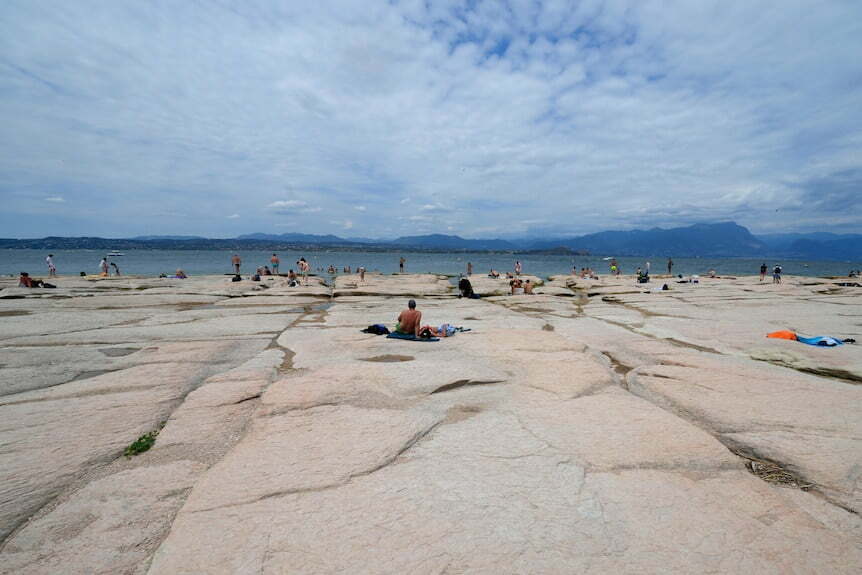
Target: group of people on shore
(104,267)
(295,278)
(301,276)
(265,270)
(517,286)
(776,273)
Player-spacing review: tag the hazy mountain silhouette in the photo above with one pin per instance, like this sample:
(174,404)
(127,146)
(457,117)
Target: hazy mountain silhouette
(725,239)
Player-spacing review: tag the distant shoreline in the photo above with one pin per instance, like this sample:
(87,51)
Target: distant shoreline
(275,247)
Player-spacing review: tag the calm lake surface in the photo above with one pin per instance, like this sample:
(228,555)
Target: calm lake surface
(154,262)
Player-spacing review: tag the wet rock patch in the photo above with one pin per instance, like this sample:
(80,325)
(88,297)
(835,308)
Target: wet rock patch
(389,358)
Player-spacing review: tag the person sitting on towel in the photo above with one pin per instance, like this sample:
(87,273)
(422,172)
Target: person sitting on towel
(409,320)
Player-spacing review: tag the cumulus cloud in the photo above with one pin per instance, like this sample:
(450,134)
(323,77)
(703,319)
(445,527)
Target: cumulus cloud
(55,199)
(521,117)
(233,217)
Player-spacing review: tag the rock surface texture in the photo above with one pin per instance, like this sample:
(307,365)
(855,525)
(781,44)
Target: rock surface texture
(592,427)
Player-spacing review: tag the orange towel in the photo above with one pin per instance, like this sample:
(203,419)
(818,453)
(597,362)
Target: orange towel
(784,334)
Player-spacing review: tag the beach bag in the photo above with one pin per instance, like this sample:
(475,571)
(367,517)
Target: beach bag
(376,329)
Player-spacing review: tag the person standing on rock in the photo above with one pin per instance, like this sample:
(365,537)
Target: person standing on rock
(103,267)
(274,261)
(401,263)
(52,271)
(469,268)
(517,268)
(236,261)
(303,269)
(362,274)
(669,267)
(762,271)
(776,274)
(409,320)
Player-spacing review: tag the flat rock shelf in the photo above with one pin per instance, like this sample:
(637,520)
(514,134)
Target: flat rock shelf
(596,426)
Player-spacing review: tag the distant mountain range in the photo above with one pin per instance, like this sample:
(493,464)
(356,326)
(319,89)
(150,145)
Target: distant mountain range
(297,239)
(725,239)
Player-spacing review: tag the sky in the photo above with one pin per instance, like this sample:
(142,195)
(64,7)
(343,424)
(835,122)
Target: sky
(380,119)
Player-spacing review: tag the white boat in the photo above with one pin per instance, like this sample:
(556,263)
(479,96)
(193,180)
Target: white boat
(115,254)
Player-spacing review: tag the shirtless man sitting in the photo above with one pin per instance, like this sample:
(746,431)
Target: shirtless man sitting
(410,319)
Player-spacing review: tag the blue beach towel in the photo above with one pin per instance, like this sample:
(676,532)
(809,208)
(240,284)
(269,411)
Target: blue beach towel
(410,337)
(820,340)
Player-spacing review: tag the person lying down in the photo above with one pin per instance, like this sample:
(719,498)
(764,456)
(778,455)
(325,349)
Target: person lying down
(445,330)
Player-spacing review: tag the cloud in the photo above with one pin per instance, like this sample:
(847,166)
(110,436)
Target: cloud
(233,217)
(359,208)
(293,207)
(287,204)
(435,208)
(521,116)
(55,199)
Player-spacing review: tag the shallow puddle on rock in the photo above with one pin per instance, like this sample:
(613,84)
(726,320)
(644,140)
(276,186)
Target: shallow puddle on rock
(690,345)
(460,413)
(389,358)
(465,383)
(119,351)
(14,312)
(89,374)
(618,367)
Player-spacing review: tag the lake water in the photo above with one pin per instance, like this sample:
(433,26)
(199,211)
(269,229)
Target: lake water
(154,262)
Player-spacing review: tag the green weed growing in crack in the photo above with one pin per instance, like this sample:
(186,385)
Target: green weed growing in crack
(144,442)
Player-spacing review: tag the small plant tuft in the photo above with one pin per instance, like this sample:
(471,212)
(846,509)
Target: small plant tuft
(143,443)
